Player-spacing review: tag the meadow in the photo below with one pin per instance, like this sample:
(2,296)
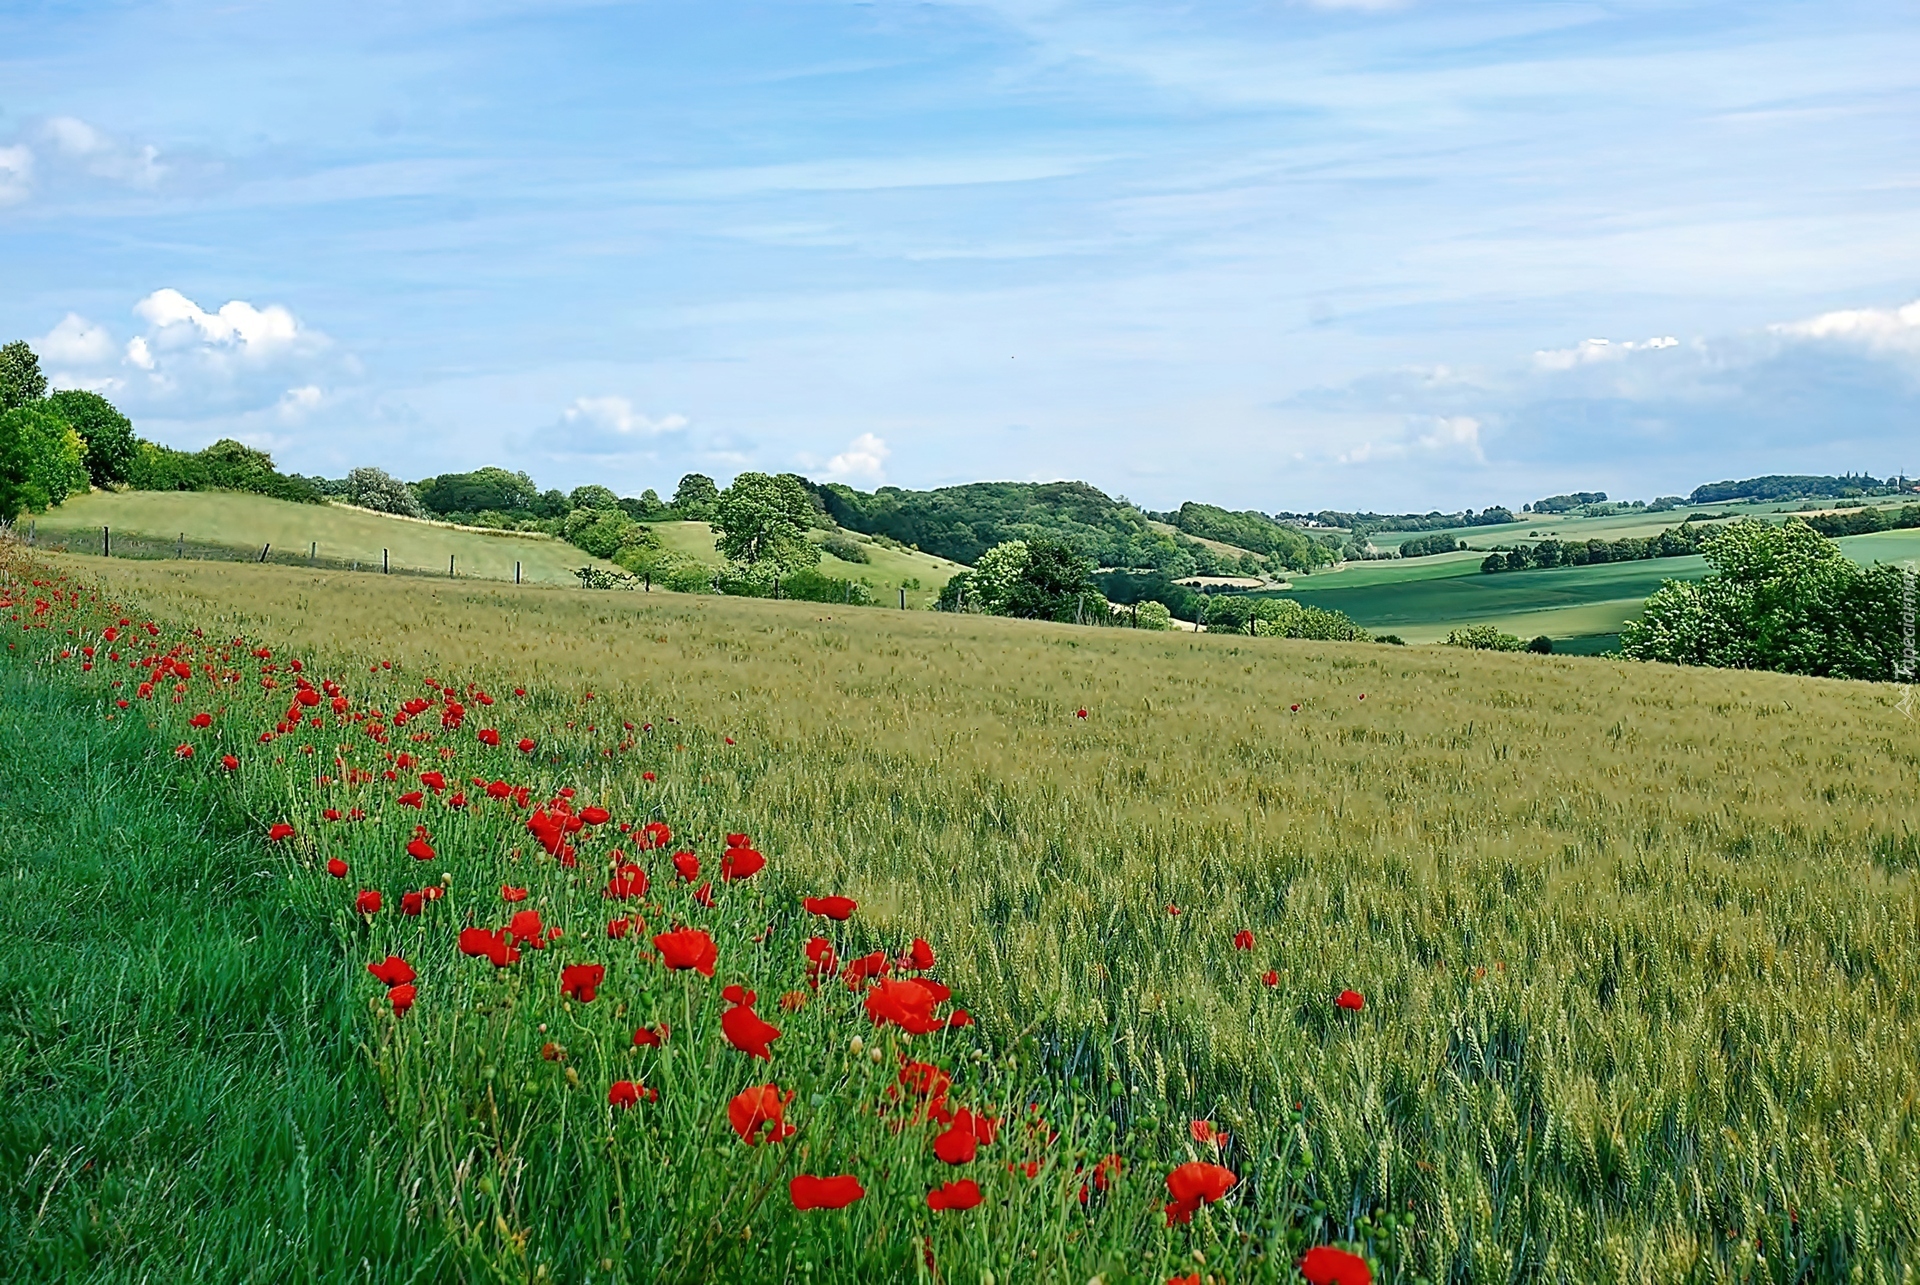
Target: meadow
(1638,946)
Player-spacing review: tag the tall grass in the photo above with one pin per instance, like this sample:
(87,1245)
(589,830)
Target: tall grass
(1640,946)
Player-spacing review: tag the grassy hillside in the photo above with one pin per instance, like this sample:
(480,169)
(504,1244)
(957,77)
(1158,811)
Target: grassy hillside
(1636,943)
(887,570)
(223,524)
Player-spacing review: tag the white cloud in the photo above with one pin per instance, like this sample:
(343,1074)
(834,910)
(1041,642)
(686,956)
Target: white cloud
(296,403)
(1450,434)
(16,174)
(238,324)
(76,341)
(138,354)
(103,156)
(865,458)
(1879,329)
(75,137)
(605,426)
(1593,350)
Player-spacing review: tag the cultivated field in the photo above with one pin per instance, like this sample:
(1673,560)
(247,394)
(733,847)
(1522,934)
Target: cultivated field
(1639,947)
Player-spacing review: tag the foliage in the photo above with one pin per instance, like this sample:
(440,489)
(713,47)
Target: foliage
(1566,503)
(991,585)
(1364,524)
(1674,542)
(53,455)
(593,496)
(21,381)
(1426,545)
(1484,638)
(1287,545)
(1864,521)
(1152,615)
(760,525)
(696,498)
(16,470)
(804,585)
(601,578)
(1269,617)
(1127,587)
(381,491)
(602,532)
(485,489)
(846,548)
(1777,486)
(107,434)
(1541,645)
(227,465)
(1778,597)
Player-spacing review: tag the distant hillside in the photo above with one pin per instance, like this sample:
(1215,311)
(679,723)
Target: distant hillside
(963,522)
(1791,486)
(1255,531)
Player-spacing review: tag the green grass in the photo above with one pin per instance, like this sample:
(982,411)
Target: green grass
(1639,944)
(1634,523)
(222,524)
(186,1094)
(887,570)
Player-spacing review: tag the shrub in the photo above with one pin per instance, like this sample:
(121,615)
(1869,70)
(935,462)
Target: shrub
(51,458)
(1392,640)
(846,548)
(1542,646)
(227,465)
(1483,638)
(381,491)
(691,578)
(106,433)
(1153,615)
(600,532)
(1422,546)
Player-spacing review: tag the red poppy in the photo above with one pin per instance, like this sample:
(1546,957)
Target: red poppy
(229,762)
(183,751)
(831,907)
(510,893)
(1270,977)
(1172,909)
(625,1093)
(869,965)
(1194,1184)
(493,945)
(919,957)
(1294,708)
(526,745)
(368,901)
(648,776)
(820,959)
(688,865)
(1352,1001)
(760,1107)
(419,849)
(650,1037)
(279,831)
(1080,713)
(957,1144)
(905,1003)
(582,980)
(412,902)
(809,1192)
(392,970)
(1026,1168)
(525,927)
(618,928)
(687,948)
(498,789)
(964,1194)
(489,737)
(628,881)
(412,799)
(401,997)
(1243,940)
(336,867)
(1204,1131)
(744,1028)
(704,895)
(740,863)
(1104,1173)
(1325,1265)
(201,720)
(595,816)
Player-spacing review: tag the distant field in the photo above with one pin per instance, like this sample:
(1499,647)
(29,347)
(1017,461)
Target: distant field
(888,570)
(219,524)
(1539,526)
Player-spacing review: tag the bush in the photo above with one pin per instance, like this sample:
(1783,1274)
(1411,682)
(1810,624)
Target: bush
(381,491)
(1422,546)
(809,585)
(600,532)
(1542,646)
(1153,615)
(846,548)
(225,466)
(690,578)
(1483,638)
(50,458)
(1392,640)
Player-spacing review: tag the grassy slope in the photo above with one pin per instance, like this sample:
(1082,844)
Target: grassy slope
(1220,547)
(247,521)
(185,1095)
(1564,527)
(888,570)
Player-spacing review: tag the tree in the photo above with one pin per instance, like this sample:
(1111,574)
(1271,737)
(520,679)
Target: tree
(991,584)
(20,379)
(696,497)
(599,531)
(14,475)
(54,456)
(593,496)
(760,524)
(106,433)
(484,490)
(381,491)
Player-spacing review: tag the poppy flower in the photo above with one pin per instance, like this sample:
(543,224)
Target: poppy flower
(419,849)
(496,946)
(618,928)
(1080,713)
(581,981)
(368,902)
(869,965)
(1104,1173)
(526,745)
(525,927)
(278,832)
(625,1093)
(964,1194)
(1194,1184)
(907,1004)
(1271,977)
(401,997)
(1026,1168)
(1243,940)
(498,789)
(704,895)
(820,959)
(956,1146)
(489,737)
(509,893)
(919,956)
(1294,708)
(650,1037)
(1204,1131)
(1325,1265)
(688,865)
(412,902)
(201,720)
(746,1031)
(392,970)
(648,776)
(627,881)
(1172,909)
(757,1108)
(831,907)
(740,863)
(687,948)
(336,867)
(412,799)
(435,781)
(809,1192)
(793,1001)
(595,815)
(183,751)
(1352,1001)
(229,762)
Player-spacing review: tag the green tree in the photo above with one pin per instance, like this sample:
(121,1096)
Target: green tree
(14,472)
(54,456)
(487,489)
(1055,583)
(593,496)
(760,525)
(696,497)
(598,531)
(107,434)
(990,587)
(20,379)
(381,491)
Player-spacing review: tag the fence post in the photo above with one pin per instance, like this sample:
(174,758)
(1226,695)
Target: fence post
(180,546)
(383,562)
(106,542)
(263,550)
(313,552)
(776,588)
(649,588)
(449,566)
(903,597)
(516,572)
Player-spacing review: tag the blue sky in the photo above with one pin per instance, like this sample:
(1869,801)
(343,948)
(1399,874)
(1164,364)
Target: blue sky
(1279,255)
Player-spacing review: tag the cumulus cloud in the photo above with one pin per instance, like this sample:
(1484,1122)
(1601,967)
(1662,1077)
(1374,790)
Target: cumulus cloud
(1594,350)
(865,459)
(16,174)
(178,320)
(297,403)
(606,426)
(76,341)
(1886,330)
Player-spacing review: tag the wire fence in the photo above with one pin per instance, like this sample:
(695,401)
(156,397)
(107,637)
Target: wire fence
(107,543)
